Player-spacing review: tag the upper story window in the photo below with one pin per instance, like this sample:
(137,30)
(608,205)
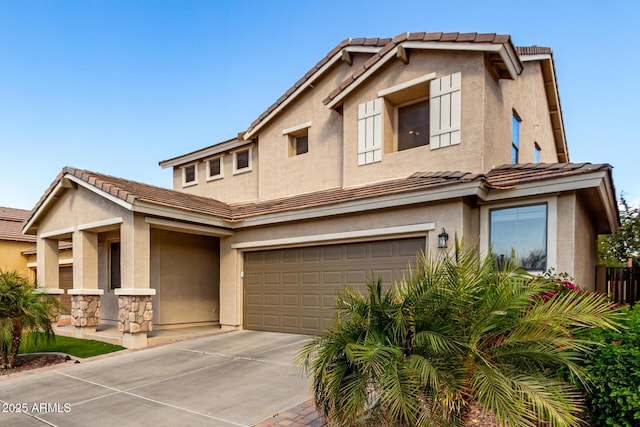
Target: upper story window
(536,153)
(214,168)
(301,144)
(298,138)
(242,161)
(413,125)
(515,138)
(521,230)
(189,175)
(423,111)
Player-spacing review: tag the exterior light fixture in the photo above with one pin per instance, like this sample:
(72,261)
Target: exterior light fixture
(442,239)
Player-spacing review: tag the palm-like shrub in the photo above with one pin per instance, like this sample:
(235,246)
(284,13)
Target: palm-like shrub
(22,309)
(457,331)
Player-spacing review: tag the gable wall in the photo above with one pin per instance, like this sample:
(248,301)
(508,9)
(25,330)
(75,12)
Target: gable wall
(77,207)
(320,168)
(464,157)
(526,95)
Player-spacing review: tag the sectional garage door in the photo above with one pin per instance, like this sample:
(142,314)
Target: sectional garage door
(294,289)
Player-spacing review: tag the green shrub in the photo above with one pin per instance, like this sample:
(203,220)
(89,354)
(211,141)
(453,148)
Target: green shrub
(612,373)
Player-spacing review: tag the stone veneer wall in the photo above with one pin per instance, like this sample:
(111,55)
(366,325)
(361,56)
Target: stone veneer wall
(85,310)
(135,313)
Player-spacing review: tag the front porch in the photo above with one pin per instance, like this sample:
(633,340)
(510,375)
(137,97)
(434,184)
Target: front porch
(110,333)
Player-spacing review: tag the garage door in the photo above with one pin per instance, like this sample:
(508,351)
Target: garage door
(294,290)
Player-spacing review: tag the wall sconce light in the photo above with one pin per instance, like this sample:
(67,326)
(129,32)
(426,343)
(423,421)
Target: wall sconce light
(442,239)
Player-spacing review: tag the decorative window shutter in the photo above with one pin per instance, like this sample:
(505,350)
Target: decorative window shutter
(445,106)
(370,132)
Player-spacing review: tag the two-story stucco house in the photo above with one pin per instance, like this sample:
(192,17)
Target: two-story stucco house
(375,154)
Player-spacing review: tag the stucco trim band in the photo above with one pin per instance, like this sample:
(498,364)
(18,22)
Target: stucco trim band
(85,292)
(347,235)
(134,291)
(101,224)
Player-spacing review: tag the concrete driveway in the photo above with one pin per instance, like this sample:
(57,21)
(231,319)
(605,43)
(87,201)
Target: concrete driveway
(232,379)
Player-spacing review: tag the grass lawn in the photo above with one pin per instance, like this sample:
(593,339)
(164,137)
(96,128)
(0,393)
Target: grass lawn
(73,346)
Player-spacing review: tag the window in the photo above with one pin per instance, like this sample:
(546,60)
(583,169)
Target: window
(536,153)
(298,137)
(301,144)
(189,175)
(413,125)
(214,168)
(114,265)
(242,161)
(515,138)
(521,230)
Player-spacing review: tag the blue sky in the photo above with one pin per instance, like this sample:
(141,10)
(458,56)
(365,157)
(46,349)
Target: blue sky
(116,86)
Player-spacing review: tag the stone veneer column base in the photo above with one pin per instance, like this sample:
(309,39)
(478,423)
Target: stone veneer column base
(135,316)
(56,293)
(85,310)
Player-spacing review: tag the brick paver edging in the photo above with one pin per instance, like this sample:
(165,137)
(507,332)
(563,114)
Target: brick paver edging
(303,415)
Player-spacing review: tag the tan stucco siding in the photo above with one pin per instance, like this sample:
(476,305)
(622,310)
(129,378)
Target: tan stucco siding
(185,270)
(321,167)
(11,258)
(78,207)
(241,187)
(527,97)
(565,239)
(586,247)
(466,156)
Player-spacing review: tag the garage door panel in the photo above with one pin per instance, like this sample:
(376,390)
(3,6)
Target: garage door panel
(298,292)
(332,277)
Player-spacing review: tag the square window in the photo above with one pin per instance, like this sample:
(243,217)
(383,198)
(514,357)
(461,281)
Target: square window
(242,161)
(522,231)
(301,144)
(214,168)
(413,125)
(189,175)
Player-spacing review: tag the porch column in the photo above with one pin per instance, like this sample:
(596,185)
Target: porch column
(48,274)
(85,295)
(135,316)
(231,307)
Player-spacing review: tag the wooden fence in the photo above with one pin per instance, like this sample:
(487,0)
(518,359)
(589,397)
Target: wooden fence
(623,284)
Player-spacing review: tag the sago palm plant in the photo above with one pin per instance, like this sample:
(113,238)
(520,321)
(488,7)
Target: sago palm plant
(22,309)
(458,331)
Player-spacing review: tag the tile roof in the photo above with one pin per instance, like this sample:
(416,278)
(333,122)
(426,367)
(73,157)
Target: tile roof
(374,42)
(509,175)
(132,191)
(501,177)
(11,225)
(339,195)
(533,50)
(416,37)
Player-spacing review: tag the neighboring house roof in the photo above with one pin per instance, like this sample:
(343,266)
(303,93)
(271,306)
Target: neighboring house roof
(161,201)
(62,245)
(11,225)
